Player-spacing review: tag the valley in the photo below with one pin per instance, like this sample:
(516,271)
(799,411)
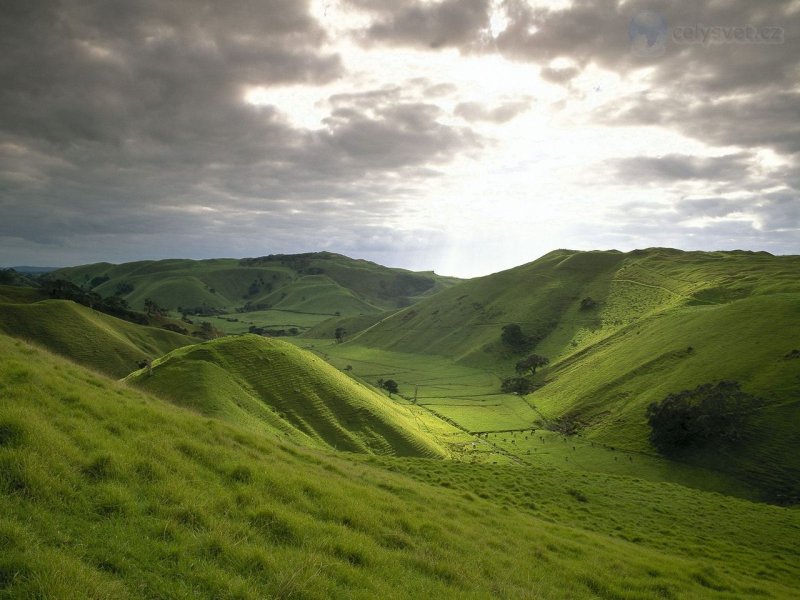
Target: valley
(284,465)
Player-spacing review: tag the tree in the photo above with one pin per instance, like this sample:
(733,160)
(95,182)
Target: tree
(151,308)
(531,363)
(516,385)
(517,341)
(390,385)
(694,417)
(339,334)
(588,303)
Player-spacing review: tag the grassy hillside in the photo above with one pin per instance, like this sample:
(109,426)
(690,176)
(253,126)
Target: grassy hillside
(106,492)
(321,283)
(544,297)
(351,326)
(253,378)
(93,339)
(20,295)
(659,321)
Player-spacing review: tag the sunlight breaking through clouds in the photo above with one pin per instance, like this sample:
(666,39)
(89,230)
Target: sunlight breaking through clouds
(454,121)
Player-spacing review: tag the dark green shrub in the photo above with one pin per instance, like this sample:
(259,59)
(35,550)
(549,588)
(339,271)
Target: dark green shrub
(695,417)
(516,385)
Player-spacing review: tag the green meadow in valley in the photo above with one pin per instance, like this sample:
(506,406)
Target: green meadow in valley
(246,466)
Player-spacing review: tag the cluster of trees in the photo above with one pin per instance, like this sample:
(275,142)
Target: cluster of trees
(113,305)
(526,369)
(259,286)
(153,309)
(339,334)
(298,262)
(253,307)
(199,311)
(695,417)
(518,342)
(274,332)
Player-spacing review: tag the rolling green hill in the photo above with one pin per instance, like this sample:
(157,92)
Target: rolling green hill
(256,379)
(108,492)
(93,339)
(322,283)
(624,330)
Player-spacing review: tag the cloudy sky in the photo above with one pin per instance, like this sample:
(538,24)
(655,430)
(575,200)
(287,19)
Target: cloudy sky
(464,136)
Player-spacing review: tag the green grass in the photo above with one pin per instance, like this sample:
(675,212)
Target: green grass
(94,339)
(271,383)
(237,323)
(107,492)
(665,321)
(20,295)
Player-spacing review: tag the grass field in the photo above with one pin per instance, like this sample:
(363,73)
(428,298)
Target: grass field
(500,425)
(659,321)
(236,323)
(107,492)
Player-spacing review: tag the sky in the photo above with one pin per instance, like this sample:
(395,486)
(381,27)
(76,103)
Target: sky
(461,136)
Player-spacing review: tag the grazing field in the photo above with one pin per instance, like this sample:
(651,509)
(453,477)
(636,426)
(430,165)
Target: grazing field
(287,320)
(621,331)
(507,428)
(113,492)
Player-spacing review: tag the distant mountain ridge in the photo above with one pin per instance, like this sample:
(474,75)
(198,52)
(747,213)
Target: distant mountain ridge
(319,282)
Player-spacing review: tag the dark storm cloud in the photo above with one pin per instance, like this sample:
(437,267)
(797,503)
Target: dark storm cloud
(128,119)
(449,23)
(769,221)
(680,167)
(765,118)
(777,211)
(701,89)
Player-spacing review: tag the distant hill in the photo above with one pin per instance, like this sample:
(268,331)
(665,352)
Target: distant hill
(323,283)
(247,378)
(34,270)
(623,330)
(93,339)
(13,277)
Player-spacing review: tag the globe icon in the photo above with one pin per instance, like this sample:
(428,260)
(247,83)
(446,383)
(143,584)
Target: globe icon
(648,34)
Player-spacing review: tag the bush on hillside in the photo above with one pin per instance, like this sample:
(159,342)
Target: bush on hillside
(515,340)
(694,417)
(516,385)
